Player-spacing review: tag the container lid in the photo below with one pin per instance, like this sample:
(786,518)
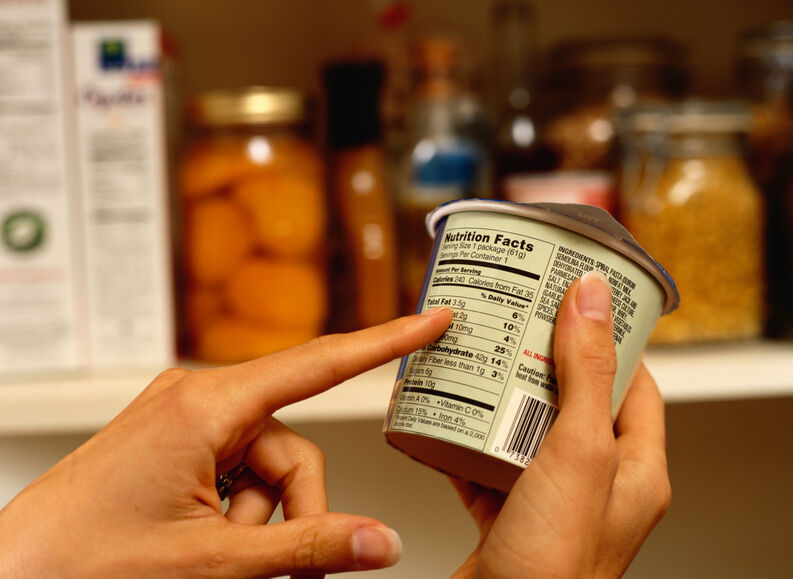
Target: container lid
(617,52)
(353,93)
(771,45)
(587,220)
(708,117)
(688,116)
(250,106)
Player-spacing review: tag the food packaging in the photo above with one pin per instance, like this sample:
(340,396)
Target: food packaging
(477,402)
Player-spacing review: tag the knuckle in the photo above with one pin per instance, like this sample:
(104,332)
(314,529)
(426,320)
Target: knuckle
(327,342)
(307,549)
(173,374)
(599,362)
(652,488)
(597,453)
(313,452)
(663,494)
(330,344)
(213,562)
(186,397)
(603,455)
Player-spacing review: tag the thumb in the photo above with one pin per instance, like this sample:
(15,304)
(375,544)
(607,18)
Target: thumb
(584,349)
(317,544)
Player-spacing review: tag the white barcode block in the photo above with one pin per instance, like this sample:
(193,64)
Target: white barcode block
(525,423)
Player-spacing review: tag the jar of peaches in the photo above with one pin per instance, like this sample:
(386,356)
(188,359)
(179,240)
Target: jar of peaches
(253,225)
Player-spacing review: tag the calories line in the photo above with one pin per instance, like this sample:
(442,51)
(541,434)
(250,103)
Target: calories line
(487,289)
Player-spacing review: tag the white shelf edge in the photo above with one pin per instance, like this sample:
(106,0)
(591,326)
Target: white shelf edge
(754,369)
(71,404)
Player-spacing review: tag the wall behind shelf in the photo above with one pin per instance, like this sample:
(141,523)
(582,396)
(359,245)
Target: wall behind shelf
(274,42)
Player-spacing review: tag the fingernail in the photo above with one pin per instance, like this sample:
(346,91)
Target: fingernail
(376,547)
(594,296)
(433,311)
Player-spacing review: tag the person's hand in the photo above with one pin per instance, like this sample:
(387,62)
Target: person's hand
(594,491)
(139,498)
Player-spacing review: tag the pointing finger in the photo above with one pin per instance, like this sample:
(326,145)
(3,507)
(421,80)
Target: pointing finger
(244,394)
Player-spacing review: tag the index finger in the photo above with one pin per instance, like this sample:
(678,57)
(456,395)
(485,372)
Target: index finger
(260,387)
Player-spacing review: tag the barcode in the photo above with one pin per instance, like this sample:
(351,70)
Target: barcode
(532,420)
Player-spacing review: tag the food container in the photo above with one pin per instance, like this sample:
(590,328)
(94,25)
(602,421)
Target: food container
(477,402)
(689,200)
(254,225)
(595,79)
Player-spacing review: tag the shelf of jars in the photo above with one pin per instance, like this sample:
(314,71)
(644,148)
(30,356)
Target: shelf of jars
(84,403)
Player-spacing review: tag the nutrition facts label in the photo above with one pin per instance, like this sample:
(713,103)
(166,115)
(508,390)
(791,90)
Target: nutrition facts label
(491,280)
(488,385)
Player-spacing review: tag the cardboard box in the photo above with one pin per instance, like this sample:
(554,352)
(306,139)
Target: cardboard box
(40,291)
(124,192)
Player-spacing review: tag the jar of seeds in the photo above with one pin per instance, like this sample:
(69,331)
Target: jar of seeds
(690,201)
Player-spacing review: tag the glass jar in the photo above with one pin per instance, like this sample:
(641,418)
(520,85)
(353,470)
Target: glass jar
(765,73)
(445,159)
(594,79)
(253,225)
(689,200)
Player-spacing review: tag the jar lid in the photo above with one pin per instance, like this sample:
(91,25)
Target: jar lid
(697,116)
(770,45)
(688,116)
(617,52)
(353,99)
(250,106)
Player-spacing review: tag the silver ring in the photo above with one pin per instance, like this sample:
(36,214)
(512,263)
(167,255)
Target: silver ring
(224,481)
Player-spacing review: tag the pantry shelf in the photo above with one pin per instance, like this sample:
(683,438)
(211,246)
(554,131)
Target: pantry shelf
(83,403)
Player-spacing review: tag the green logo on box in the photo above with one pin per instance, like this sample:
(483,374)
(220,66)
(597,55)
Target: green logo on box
(23,230)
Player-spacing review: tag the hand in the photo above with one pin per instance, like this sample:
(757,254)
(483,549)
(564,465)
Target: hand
(585,504)
(139,498)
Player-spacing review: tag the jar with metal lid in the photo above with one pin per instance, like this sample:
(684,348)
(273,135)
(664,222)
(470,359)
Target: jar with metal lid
(593,79)
(253,221)
(765,75)
(690,201)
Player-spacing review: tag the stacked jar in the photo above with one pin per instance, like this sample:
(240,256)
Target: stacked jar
(254,225)
(689,200)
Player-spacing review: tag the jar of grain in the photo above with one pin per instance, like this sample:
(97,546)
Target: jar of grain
(594,79)
(692,204)
(253,225)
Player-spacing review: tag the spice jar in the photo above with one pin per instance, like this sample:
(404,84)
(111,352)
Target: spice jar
(765,74)
(593,79)
(254,224)
(692,204)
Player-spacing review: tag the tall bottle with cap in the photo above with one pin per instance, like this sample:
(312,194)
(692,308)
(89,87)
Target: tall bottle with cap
(365,271)
(518,146)
(445,159)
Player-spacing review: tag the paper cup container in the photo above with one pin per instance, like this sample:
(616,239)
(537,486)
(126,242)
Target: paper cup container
(478,402)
